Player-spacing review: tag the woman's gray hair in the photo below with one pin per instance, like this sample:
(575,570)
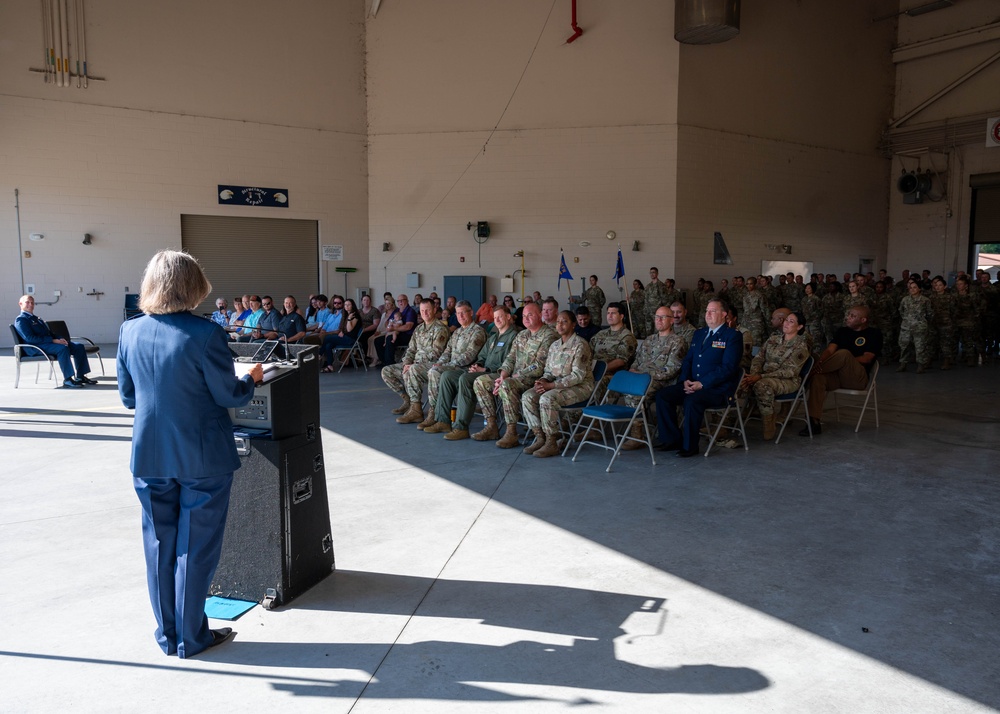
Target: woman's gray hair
(172,282)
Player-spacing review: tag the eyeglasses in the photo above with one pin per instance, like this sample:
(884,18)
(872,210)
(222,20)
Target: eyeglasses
(338,304)
(268,303)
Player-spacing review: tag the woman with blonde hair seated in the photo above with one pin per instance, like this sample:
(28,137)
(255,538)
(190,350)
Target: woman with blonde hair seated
(387,311)
(776,368)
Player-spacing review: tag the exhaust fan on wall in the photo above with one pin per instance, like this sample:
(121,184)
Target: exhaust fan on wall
(913,185)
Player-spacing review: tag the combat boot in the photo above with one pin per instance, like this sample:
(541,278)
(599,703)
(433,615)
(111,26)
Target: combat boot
(538,443)
(636,433)
(509,440)
(946,364)
(901,367)
(921,368)
(404,407)
(769,426)
(429,421)
(438,427)
(490,432)
(551,448)
(457,434)
(414,415)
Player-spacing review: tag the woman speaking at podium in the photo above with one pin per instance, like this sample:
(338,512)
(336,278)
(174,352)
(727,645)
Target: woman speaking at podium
(175,369)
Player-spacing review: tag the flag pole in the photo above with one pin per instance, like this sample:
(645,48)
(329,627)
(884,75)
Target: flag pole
(628,303)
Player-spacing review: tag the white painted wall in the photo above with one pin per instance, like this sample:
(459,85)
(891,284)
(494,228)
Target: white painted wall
(197,95)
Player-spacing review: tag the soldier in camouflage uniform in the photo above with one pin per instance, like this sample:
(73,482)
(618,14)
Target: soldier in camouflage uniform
(854,298)
(833,311)
(736,295)
(884,308)
(681,327)
(568,378)
(523,365)
(615,345)
(637,309)
(943,322)
(915,316)
(968,321)
(462,350)
(408,377)
(671,296)
(812,310)
(769,292)
(660,355)
(775,369)
(755,316)
(655,294)
(791,293)
(989,297)
(457,387)
(593,298)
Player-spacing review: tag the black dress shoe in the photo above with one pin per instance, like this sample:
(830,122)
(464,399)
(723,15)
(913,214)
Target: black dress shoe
(86,380)
(687,453)
(672,446)
(223,634)
(817,428)
(71,384)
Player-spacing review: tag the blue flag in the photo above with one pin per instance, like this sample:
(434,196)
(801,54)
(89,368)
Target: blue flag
(563,272)
(619,269)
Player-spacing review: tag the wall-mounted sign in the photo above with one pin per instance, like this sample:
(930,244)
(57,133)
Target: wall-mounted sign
(993,131)
(253,196)
(333,252)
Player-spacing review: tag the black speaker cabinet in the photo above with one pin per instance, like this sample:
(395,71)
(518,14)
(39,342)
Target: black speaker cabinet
(277,542)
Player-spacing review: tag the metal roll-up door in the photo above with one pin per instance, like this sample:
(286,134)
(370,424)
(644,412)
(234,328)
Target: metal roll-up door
(266,256)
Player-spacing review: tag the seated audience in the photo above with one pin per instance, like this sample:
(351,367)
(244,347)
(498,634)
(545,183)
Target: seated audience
(682,328)
(387,311)
(485,312)
(585,328)
(292,325)
(428,341)
(568,378)
(398,330)
(72,356)
(456,387)
(708,378)
(845,364)
(615,345)
(221,316)
(346,336)
(660,355)
(775,369)
(462,350)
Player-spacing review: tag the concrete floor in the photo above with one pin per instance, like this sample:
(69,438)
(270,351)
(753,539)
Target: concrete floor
(853,573)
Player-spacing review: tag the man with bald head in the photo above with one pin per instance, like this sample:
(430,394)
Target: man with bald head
(72,356)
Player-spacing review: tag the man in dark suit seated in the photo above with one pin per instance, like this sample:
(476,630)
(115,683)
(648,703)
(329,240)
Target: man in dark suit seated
(708,377)
(72,356)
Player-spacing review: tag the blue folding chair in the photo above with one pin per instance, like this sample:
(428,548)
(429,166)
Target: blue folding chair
(627,384)
(566,412)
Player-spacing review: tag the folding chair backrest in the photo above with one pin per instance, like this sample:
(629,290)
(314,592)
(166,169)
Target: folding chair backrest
(629,383)
(18,340)
(807,367)
(600,367)
(58,329)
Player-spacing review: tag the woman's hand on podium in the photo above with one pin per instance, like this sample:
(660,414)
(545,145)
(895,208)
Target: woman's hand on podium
(257,373)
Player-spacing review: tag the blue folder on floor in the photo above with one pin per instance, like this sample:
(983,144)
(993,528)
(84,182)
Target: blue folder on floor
(221,608)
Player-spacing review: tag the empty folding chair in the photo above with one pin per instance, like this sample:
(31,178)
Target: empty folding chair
(611,415)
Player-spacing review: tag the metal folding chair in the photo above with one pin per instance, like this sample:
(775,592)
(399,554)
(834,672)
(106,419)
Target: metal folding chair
(868,393)
(796,399)
(23,352)
(628,384)
(355,353)
(59,329)
(732,403)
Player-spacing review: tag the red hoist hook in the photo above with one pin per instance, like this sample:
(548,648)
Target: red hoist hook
(577,31)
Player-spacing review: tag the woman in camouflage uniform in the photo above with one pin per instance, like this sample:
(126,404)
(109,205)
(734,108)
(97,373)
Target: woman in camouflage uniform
(914,324)
(854,298)
(968,317)
(775,369)
(637,306)
(943,322)
(812,310)
(755,315)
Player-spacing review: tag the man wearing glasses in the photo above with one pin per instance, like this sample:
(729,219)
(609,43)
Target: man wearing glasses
(250,323)
(267,325)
